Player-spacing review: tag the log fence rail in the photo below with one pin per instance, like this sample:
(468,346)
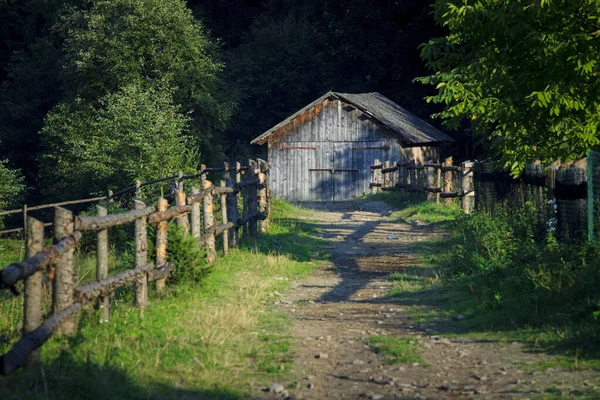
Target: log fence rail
(57,261)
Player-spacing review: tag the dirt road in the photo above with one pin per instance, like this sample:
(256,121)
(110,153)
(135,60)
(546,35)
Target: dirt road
(338,311)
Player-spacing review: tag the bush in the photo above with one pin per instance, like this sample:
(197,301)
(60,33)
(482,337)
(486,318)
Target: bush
(183,250)
(506,264)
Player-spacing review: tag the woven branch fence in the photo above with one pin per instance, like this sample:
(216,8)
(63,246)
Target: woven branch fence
(189,210)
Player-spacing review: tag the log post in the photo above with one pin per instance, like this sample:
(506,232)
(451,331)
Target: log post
(252,199)
(110,196)
(138,191)
(226,169)
(402,177)
(195,215)
(209,222)
(438,183)
(414,175)
(429,171)
(448,181)
(64,275)
(203,176)
(386,175)
(238,179)
(162,229)
(224,219)
(141,258)
(467,186)
(102,265)
(394,179)
(232,212)
(180,181)
(262,201)
(33,286)
(24,212)
(182,219)
(377,177)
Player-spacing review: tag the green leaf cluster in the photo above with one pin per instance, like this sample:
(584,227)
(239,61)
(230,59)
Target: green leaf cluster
(522,74)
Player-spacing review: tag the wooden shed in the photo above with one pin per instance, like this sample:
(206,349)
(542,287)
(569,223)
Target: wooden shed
(323,151)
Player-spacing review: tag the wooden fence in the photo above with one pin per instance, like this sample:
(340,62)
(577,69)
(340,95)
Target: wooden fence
(439,181)
(57,261)
(559,191)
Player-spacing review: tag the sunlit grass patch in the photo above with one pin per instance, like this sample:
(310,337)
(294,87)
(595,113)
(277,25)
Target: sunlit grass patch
(395,350)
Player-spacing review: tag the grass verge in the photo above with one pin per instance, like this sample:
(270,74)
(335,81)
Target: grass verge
(214,339)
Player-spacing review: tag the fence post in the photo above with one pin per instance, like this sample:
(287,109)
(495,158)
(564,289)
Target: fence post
(394,179)
(162,229)
(467,186)
(141,257)
(182,219)
(203,173)
(232,212)
(209,222)
(138,191)
(224,219)
(402,179)
(429,171)
(180,181)
(438,183)
(238,179)
(25,223)
(386,175)
(262,199)
(252,198)
(64,275)
(227,169)
(32,310)
(110,196)
(448,180)
(102,265)
(195,215)
(377,177)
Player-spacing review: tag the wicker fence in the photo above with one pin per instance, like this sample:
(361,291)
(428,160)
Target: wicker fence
(189,210)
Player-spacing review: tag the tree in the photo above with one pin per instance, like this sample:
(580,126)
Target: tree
(522,74)
(134,133)
(137,76)
(11,187)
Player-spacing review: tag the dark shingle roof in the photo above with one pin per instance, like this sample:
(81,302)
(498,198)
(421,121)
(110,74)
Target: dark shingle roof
(412,129)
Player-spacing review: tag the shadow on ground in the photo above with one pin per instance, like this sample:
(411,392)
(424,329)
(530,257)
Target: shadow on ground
(67,378)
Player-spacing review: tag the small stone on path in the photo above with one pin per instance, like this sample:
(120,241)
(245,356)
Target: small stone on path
(275,388)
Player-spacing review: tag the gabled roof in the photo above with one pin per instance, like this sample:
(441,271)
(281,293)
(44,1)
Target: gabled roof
(412,129)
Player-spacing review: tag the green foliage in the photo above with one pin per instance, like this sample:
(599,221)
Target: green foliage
(11,187)
(504,264)
(524,75)
(134,133)
(187,256)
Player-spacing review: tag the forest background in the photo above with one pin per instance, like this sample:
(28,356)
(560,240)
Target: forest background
(95,94)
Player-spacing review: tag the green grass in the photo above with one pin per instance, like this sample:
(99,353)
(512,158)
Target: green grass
(213,339)
(395,350)
(412,208)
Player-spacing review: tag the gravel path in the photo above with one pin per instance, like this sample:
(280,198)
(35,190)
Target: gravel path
(340,305)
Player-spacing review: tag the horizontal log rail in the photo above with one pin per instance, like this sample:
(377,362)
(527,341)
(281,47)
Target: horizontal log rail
(90,291)
(85,223)
(255,215)
(171,213)
(10,275)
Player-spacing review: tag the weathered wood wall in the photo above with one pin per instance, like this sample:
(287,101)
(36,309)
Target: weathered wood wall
(325,153)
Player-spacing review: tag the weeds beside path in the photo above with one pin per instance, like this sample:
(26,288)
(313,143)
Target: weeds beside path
(375,322)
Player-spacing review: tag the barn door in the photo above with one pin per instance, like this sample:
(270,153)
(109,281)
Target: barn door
(344,174)
(364,155)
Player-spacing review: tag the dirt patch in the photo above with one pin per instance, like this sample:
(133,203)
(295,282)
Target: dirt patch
(340,306)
